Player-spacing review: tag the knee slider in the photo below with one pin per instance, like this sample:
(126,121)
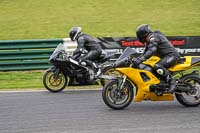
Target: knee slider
(160,70)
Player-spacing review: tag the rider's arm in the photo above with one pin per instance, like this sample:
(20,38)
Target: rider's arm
(81,42)
(80,46)
(151,49)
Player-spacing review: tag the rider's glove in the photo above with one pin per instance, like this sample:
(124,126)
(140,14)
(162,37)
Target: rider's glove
(84,51)
(138,61)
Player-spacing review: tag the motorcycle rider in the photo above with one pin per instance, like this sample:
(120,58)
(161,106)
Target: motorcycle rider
(157,44)
(88,43)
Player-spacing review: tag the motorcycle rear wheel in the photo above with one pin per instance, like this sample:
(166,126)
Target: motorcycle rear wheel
(116,99)
(52,84)
(110,71)
(190,99)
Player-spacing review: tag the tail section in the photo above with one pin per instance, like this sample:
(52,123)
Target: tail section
(195,61)
(187,63)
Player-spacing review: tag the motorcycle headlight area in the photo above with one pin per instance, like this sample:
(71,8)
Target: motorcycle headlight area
(62,56)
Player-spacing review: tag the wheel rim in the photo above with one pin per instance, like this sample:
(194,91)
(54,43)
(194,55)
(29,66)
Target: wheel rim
(55,84)
(110,72)
(116,97)
(194,95)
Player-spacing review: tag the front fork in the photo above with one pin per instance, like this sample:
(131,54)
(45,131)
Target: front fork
(121,82)
(56,72)
(120,86)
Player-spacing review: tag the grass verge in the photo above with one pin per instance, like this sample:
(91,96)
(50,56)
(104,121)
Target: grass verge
(28,80)
(34,19)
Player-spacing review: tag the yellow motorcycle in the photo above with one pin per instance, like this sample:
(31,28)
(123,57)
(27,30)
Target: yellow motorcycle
(141,82)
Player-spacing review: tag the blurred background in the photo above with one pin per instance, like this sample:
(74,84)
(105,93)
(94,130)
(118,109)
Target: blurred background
(36,19)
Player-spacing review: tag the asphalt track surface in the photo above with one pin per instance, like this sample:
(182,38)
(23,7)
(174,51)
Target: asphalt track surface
(85,112)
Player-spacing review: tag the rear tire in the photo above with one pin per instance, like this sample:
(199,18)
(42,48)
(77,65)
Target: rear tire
(190,99)
(54,85)
(110,71)
(111,97)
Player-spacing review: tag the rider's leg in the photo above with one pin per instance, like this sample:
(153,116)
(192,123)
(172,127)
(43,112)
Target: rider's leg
(161,70)
(90,57)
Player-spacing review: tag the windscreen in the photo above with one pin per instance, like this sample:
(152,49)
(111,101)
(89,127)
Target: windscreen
(59,48)
(127,52)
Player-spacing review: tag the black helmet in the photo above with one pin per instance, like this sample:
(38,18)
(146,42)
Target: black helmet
(142,32)
(74,32)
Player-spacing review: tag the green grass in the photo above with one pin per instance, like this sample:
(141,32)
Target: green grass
(34,19)
(45,19)
(21,80)
(27,80)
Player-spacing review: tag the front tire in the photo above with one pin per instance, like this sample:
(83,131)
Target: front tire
(52,84)
(190,99)
(116,99)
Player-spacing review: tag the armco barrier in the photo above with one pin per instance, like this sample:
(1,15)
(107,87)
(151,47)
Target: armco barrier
(34,54)
(27,54)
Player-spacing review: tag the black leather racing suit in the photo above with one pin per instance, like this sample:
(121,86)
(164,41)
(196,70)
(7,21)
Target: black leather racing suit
(157,44)
(91,45)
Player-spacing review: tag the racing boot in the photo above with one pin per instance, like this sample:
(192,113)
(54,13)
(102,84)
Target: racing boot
(172,85)
(83,63)
(91,64)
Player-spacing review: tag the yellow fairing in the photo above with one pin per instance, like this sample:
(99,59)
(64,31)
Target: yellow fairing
(179,67)
(152,61)
(143,92)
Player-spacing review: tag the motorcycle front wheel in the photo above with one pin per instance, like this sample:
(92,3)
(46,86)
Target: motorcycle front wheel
(192,98)
(115,98)
(54,83)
